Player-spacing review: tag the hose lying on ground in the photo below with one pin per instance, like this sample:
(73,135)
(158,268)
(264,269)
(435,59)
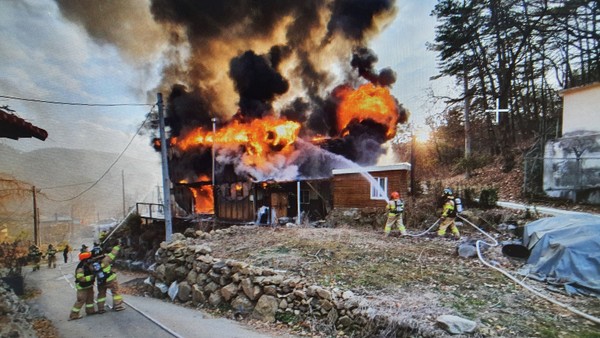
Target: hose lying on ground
(507,274)
(424,232)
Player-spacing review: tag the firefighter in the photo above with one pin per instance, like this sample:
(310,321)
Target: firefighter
(96,250)
(106,279)
(51,255)
(84,283)
(66,252)
(395,208)
(102,236)
(448,215)
(35,256)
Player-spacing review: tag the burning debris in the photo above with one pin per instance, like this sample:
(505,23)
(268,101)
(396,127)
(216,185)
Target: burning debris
(292,83)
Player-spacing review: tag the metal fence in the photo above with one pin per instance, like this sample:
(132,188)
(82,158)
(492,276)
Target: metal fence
(572,178)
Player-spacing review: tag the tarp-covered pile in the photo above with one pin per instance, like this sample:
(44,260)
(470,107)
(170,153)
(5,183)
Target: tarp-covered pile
(565,250)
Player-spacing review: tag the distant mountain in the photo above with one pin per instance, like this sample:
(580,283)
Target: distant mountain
(63,174)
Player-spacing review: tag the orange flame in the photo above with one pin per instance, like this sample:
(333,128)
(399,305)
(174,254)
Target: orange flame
(367,102)
(203,196)
(260,138)
(203,199)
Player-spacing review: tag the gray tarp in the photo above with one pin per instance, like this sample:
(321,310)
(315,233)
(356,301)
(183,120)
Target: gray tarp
(565,250)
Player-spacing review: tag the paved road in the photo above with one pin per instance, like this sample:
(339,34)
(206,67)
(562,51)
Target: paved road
(58,295)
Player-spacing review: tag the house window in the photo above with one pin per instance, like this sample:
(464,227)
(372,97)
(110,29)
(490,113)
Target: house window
(239,190)
(379,188)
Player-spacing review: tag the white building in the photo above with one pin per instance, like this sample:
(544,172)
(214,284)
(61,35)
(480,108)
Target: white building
(572,162)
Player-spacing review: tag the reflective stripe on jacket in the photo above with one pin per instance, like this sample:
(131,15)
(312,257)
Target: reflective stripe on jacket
(448,209)
(84,276)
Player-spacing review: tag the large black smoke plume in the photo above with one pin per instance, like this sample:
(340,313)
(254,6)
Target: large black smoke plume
(248,59)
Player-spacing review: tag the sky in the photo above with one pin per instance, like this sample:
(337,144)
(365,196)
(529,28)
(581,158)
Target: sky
(46,56)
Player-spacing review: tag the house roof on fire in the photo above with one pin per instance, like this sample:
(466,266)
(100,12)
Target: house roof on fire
(14,127)
(397,166)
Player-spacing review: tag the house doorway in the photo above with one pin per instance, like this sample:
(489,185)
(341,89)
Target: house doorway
(279,203)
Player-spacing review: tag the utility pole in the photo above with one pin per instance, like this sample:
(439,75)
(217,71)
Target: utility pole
(413,188)
(123,185)
(165,171)
(214,190)
(36,221)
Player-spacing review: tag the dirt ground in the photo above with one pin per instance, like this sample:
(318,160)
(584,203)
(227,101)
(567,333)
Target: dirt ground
(412,278)
(416,279)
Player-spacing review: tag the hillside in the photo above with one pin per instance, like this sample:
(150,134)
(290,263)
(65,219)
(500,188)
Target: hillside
(62,174)
(510,186)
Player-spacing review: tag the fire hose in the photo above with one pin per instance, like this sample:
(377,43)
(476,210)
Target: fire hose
(426,231)
(507,274)
(495,243)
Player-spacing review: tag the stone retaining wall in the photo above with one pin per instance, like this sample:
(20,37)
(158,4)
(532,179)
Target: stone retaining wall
(264,293)
(15,318)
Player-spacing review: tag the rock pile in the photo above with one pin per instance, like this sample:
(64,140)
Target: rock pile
(186,272)
(15,319)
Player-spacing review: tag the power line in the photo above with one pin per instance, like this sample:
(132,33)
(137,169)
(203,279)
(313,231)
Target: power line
(77,103)
(65,186)
(47,188)
(110,167)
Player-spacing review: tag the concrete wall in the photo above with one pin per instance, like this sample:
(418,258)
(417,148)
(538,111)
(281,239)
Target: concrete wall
(572,162)
(581,108)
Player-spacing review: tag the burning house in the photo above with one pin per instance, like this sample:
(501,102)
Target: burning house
(292,84)
(307,100)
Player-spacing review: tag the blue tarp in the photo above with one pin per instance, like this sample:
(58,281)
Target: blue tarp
(565,250)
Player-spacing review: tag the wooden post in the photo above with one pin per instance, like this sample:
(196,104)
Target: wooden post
(36,221)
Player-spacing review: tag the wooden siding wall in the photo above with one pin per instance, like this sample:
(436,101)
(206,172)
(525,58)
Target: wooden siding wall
(241,210)
(354,191)
(230,207)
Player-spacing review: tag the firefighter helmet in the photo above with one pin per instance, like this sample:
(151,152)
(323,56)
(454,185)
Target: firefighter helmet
(96,251)
(395,195)
(448,192)
(85,255)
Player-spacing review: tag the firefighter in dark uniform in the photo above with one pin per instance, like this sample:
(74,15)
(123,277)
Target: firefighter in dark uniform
(84,283)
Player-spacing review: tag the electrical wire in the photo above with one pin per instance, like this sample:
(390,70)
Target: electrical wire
(64,186)
(110,167)
(77,103)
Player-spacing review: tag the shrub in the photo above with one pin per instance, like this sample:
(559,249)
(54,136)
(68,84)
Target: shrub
(488,198)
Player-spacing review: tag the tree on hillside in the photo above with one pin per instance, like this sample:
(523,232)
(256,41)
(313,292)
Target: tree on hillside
(521,52)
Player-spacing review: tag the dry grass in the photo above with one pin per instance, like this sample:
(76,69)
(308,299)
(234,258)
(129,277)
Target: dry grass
(416,279)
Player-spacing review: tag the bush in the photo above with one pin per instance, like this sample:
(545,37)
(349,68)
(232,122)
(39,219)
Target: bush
(471,163)
(488,198)
(13,257)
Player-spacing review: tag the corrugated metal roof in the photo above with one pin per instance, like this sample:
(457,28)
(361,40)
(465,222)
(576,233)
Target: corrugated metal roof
(14,127)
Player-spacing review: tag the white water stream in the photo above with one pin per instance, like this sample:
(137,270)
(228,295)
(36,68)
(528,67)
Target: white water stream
(347,164)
